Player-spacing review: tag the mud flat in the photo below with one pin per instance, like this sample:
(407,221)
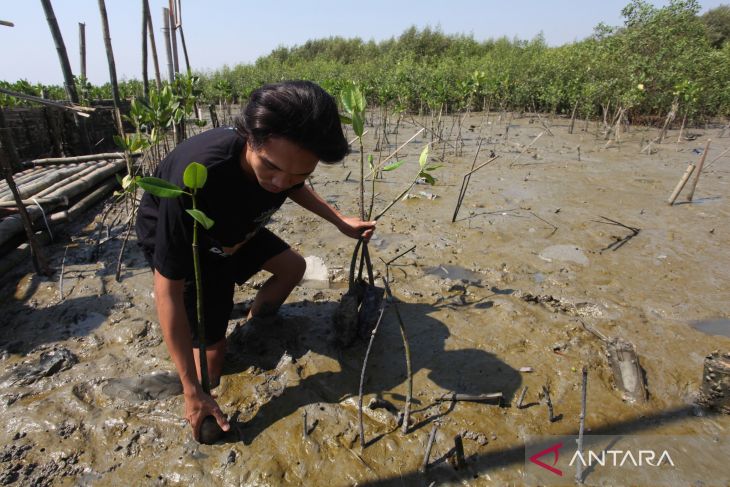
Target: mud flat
(495,302)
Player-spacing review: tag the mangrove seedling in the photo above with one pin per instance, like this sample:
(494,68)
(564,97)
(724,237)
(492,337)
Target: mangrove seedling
(194,178)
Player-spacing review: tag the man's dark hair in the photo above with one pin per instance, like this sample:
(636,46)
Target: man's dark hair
(299,111)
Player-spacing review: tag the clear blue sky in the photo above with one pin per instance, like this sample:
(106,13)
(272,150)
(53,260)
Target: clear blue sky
(220,32)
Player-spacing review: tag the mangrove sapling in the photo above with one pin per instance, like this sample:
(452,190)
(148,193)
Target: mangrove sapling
(194,178)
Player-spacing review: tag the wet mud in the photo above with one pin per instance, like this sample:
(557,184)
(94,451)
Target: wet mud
(503,299)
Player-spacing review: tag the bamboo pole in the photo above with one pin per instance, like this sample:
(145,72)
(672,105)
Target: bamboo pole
(8,159)
(680,184)
(145,80)
(36,201)
(168,46)
(82,50)
(109,55)
(153,46)
(173,36)
(11,226)
(693,184)
(36,186)
(7,23)
(89,157)
(20,178)
(68,77)
(62,182)
(78,110)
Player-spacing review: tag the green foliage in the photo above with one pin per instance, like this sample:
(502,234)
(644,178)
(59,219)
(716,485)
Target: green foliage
(160,187)
(195,175)
(717,22)
(661,48)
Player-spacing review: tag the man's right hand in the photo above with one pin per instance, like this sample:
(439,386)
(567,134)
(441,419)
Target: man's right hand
(198,406)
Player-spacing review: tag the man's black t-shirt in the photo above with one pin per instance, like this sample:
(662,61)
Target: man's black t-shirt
(238,205)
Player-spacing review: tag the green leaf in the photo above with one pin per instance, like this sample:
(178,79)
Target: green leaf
(160,187)
(423,159)
(370,162)
(432,167)
(428,178)
(201,218)
(348,99)
(121,143)
(119,179)
(352,100)
(393,165)
(359,100)
(358,124)
(127,181)
(345,119)
(195,175)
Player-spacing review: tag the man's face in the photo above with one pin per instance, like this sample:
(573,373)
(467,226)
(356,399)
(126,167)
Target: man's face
(279,164)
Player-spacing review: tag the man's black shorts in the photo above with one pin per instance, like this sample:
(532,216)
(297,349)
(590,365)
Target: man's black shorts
(220,275)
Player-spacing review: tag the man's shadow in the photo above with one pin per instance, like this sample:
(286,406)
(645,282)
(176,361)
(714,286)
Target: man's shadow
(308,326)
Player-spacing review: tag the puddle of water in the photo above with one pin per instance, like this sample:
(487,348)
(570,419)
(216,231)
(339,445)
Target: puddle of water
(713,326)
(453,272)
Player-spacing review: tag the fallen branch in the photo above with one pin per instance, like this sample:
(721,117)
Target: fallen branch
(490,398)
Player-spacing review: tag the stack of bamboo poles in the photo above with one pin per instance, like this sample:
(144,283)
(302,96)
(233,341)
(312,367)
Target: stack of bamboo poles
(48,190)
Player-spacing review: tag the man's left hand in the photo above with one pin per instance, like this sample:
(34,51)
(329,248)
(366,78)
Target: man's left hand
(356,228)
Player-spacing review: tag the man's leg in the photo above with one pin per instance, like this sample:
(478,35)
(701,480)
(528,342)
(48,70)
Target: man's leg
(215,353)
(288,269)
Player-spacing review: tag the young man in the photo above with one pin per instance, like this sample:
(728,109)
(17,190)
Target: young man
(284,131)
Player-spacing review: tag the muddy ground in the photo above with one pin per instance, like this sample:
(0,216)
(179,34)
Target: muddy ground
(88,397)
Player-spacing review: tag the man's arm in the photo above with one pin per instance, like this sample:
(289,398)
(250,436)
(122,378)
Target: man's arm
(350,226)
(176,333)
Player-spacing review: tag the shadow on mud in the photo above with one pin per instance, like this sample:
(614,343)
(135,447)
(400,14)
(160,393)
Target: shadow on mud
(482,464)
(308,326)
(25,328)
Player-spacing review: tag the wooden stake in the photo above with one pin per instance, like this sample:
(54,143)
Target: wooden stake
(60,278)
(429,446)
(109,55)
(459,453)
(168,46)
(522,398)
(153,46)
(82,50)
(8,159)
(145,79)
(680,184)
(362,375)
(579,466)
(173,36)
(697,172)
(68,77)
(551,414)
